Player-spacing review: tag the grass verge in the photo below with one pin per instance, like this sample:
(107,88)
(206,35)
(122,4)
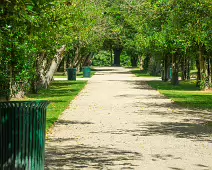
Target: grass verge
(60,94)
(139,73)
(186,94)
(79,75)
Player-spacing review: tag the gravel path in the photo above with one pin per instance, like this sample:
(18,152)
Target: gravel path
(119,122)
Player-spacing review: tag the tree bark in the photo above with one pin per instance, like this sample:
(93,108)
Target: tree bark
(117,54)
(87,61)
(166,71)
(188,69)
(64,66)
(202,65)
(141,63)
(183,68)
(111,56)
(46,79)
(134,61)
(73,63)
(175,74)
(201,62)
(209,70)
(198,73)
(79,61)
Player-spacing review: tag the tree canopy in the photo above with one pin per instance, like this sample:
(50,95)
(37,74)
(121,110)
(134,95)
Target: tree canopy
(35,36)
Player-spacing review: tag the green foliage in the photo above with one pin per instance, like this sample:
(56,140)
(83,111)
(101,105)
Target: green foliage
(32,31)
(25,33)
(103,58)
(125,60)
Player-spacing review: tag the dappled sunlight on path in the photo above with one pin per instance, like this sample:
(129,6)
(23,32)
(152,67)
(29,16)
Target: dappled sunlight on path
(119,122)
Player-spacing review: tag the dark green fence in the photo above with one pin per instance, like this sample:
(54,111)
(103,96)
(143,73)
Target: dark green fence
(22,135)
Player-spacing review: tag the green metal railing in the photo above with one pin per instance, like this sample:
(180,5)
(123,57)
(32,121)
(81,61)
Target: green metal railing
(22,135)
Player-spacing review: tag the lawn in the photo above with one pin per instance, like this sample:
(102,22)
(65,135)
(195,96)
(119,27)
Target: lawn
(60,94)
(139,73)
(186,94)
(79,75)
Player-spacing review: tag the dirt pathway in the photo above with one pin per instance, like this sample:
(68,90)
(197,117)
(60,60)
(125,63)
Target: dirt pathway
(118,122)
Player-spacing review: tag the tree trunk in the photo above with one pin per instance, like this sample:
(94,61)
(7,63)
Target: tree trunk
(198,73)
(183,68)
(78,62)
(60,67)
(111,56)
(134,61)
(209,70)
(188,69)
(65,66)
(46,79)
(87,61)
(202,63)
(165,76)
(175,74)
(117,54)
(141,63)
(73,63)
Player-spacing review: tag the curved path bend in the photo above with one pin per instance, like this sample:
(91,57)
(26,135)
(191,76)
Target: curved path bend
(119,122)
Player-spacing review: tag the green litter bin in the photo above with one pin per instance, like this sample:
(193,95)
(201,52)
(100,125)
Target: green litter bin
(87,72)
(72,73)
(170,73)
(22,135)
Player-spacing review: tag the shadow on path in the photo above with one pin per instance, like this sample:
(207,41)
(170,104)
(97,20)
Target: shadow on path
(83,156)
(66,122)
(193,131)
(176,121)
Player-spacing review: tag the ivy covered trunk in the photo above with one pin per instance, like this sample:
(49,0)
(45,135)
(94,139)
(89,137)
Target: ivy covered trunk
(117,55)
(175,74)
